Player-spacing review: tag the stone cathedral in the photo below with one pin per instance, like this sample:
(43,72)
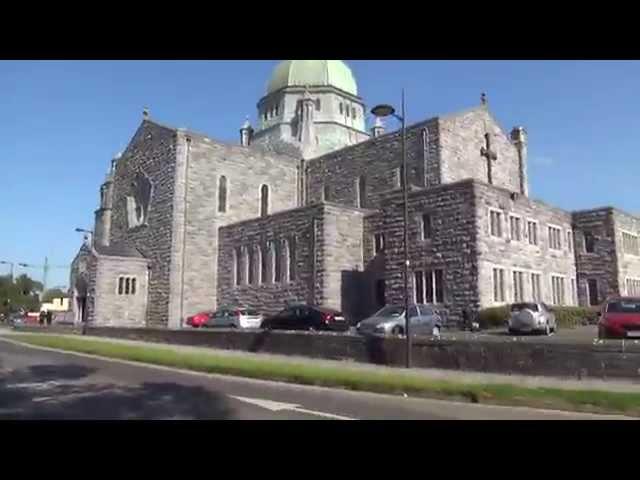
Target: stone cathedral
(308,207)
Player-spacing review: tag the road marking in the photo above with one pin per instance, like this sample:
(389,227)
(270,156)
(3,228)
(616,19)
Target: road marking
(34,385)
(279,406)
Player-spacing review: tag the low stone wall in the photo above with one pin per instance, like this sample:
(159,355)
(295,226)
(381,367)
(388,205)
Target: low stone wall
(607,360)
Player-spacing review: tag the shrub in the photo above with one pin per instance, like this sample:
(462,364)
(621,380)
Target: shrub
(566,317)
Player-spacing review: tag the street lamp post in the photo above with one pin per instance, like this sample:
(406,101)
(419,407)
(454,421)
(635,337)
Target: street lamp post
(382,111)
(4,262)
(89,232)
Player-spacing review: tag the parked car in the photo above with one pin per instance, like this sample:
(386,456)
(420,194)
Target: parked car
(424,320)
(235,317)
(199,319)
(532,317)
(620,318)
(305,317)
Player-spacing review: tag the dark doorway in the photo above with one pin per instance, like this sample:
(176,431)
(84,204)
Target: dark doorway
(592,285)
(381,300)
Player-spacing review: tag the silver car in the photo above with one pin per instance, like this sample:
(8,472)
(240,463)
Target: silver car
(424,320)
(235,317)
(532,317)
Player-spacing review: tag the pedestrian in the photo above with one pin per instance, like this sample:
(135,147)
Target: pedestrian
(41,317)
(49,317)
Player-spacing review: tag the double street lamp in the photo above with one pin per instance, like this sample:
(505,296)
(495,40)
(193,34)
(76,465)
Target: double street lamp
(4,262)
(383,111)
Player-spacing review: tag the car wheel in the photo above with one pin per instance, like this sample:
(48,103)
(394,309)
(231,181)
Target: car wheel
(435,331)
(397,330)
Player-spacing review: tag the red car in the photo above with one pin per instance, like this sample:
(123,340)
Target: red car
(620,318)
(199,319)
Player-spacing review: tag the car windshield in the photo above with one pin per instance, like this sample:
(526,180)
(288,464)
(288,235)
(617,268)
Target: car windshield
(390,311)
(624,306)
(516,307)
(249,312)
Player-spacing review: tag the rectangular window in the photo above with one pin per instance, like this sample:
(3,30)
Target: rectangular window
(515,228)
(532,232)
(535,287)
(495,219)
(292,259)
(630,244)
(557,290)
(252,267)
(429,286)
(498,285)
(277,264)
(633,287)
(418,287)
(592,289)
(133,286)
(238,266)
(426,226)
(378,243)
(570,240)
(518,287)
(574,292)
(589,242)
(555,242)
(120,285)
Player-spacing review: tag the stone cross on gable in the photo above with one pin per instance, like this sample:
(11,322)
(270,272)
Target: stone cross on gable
(490,155)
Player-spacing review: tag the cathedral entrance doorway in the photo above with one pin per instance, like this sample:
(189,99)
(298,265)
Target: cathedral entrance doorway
(81,300)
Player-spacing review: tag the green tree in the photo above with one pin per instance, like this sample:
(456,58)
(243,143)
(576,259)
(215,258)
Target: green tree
(21,294)
(52,293)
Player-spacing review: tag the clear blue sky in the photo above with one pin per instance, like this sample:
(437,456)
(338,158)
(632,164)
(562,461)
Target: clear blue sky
(62,122)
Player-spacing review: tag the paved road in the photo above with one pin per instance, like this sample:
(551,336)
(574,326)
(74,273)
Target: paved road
(41,384)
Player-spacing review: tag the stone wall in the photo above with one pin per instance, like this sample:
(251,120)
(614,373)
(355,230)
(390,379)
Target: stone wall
(152,151)
(117,309)
(378,160)
(461,140)
(512,254)
(628,263)
(202,162)
(603,361)
(602,264)
(270,297)
(451,247)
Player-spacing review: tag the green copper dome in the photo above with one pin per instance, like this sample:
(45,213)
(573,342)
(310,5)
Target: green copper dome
(313,73)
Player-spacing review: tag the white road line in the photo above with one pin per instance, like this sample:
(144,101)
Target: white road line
(322,414)
(291,407)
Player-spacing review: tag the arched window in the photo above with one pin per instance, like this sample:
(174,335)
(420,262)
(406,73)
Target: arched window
(286,260)
(264,200)
(222,194)
(361,192)
(271,270)
(247,263)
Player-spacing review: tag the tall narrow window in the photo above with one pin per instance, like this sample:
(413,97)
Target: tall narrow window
(353,112)
(428,287)
(292,258)
(495,219)
(252,266)
(426,226)
(127,286)
(498,285)
(264,259)
(133,286)
(341,108)
(362,192)
(532,232)
(515,228)
(592,289)
(518,286)
(286,260)
(237,265)
(418,287)
(222,194)
(318,104)
(438,278)
(264,200)
(535,287)
(589,243)
(277,261)
(121,286)
(325,193)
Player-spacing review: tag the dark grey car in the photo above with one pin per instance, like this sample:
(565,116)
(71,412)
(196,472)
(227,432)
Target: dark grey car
(424,320)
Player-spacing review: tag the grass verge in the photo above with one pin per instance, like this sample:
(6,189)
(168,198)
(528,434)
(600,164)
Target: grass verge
(394,382)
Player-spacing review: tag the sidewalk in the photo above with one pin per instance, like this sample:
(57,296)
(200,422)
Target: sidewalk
(435,374)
